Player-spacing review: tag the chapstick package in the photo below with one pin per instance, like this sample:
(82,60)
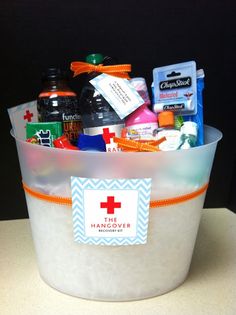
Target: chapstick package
(175,88)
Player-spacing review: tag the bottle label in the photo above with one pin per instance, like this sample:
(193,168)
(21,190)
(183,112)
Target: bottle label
(108,133)
(119,93)
(53,94)
(173,140)
(72,129)
(147,131)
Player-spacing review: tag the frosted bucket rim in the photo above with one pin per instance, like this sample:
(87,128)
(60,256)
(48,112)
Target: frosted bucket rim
(217,137)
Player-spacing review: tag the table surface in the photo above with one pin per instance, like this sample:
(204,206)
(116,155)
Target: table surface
(209,289)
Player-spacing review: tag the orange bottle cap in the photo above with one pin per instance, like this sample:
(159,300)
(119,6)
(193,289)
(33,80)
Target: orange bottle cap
(166,119)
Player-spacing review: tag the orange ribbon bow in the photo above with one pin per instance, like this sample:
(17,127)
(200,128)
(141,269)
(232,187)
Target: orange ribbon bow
(79,67)
(137,146)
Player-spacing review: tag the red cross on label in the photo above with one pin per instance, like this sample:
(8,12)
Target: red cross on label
(28,115)
(107,135)
(110,204)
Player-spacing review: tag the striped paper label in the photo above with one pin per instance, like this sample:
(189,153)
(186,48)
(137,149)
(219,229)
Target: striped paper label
(110,211)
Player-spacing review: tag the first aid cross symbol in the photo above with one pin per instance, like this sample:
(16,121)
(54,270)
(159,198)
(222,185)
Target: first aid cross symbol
(107,135)
(28,115)
(110,205)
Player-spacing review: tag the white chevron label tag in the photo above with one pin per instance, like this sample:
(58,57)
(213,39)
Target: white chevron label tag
(110,211)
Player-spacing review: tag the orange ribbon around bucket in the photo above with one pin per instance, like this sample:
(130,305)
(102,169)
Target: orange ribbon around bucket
(153,203)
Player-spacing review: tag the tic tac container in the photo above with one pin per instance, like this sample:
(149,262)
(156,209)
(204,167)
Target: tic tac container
(117,273)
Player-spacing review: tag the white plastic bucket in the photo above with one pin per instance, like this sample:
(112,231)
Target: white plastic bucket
(116,273)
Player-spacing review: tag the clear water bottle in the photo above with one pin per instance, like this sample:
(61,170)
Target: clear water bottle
(98,117)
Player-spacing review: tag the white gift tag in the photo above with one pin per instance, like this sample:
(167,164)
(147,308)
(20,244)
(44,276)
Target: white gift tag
(119,93)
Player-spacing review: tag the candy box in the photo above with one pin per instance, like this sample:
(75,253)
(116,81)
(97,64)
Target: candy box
(45,133)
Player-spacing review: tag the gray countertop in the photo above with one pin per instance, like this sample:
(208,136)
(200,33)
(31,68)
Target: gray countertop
(210,287)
